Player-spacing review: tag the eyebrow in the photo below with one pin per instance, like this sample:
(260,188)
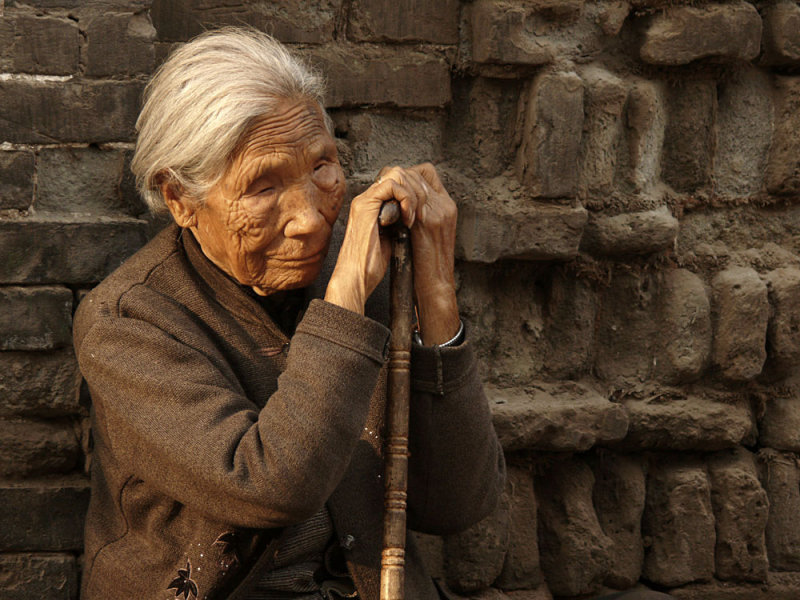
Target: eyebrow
(267,164)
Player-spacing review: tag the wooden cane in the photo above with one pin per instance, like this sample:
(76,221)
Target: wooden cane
(396,446)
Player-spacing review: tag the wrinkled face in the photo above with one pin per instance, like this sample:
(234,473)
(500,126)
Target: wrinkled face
(268,221)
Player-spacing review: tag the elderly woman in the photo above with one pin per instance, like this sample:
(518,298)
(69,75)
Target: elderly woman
(237,362)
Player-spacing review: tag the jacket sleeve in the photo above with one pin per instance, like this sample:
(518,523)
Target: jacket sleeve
(170,411)
(456,468)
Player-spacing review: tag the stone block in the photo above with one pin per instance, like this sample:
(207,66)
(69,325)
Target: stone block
(631,233)
(744,132)
(619,497)
(540,593)
(120,44)
(690,136)
(574,551)
(474,558)
(781,42)
(780,476)
(783,167)
(646,123)
(500,35)
(34,447)
(80,181)
(66,250)
(779,586)
(604,104)
(670,421)
(681,34)
(46,112)
(46,45)
(678,524)
(490,232)
(740,513)
(612,16)
(563,417)
(35,318)
(39,384)
(783,330)
(685,328)
(741,311)
(16,180)
(29,576)
(43,514)
(383,21)
(779,428)
(521,568)
(547,160)
(382,76)
(287,20)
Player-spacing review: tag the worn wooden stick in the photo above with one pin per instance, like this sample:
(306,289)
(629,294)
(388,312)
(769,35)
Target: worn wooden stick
(396,449)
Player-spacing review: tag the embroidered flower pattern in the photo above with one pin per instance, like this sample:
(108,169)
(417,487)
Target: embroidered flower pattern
(227,542)
(183,583)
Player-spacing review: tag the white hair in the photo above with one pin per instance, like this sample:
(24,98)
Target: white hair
(204,99)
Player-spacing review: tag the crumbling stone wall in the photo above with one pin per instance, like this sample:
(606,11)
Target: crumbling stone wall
(628,176)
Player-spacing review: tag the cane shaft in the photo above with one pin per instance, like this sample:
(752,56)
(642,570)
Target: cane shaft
(396,449)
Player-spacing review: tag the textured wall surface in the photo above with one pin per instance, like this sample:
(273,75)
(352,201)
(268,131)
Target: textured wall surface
(628,177)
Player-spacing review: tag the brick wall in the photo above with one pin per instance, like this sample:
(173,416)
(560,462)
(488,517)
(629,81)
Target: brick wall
(628,176)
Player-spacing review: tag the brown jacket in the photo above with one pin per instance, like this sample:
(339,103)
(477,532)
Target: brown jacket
(211,432)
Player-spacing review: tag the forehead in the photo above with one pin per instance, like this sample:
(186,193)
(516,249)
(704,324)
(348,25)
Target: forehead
(293,124)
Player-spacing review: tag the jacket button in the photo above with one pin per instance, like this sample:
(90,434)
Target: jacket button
(347,542)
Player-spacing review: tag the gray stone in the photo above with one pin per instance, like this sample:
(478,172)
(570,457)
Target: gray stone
(682,34)
(29,576)
(500,35)
(30,448)
(474,558)
(35,318)
(780,476)
(686,327)
(619,497)
(781,33)
(783,168)
(521,568)
(783,331)
(632,233)
(379,21)
(740,513)
(16,180)
(677,422)
(574,551)
(779,428)
(46,45)
(43,514)
(120,44)
(70,251)
(646,120)
(741,310)
(547,160)
(39,384)
(555,417)
(779,586)
(678,524)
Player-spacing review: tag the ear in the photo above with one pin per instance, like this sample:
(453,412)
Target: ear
(180,205)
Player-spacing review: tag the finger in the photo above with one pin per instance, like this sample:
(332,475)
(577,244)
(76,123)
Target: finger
(431,176)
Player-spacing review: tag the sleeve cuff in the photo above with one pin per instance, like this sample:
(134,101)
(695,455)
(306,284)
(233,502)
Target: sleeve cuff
(440,370)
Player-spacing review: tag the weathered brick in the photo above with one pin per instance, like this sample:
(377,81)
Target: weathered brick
(564,417)
(102,4)
(120,44)
(779,427)
(43,514)
(46,45)
(741,310)
(646,120)
(619,496)
(678,522)
(681,34)
(672,421)
(547,160)
(612,16)
(16,180)
(80,181)
(779,586)
(39,384)
(781,33)
(783,331)
(287,20)
(783,168)
(499,35)
(381,76)
(45,575)
(632,233)
(388,20)
(780,476)
(34,447)
(574,551)
(740,513)
(69,251)
(521,568)
(35,318)
(690,135)
(35,112)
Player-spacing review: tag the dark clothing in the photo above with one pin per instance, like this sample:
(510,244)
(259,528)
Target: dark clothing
(213,433)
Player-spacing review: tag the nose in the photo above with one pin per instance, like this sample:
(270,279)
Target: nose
(305,218)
